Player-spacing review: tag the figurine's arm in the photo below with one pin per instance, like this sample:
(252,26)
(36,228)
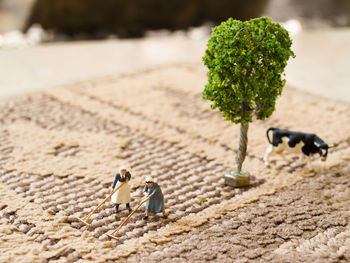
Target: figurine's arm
(145,189)
(154,191)
(116,179)
(127,176)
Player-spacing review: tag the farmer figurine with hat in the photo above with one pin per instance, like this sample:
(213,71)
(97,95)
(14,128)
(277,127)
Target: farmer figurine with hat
(155,204)
(122,196)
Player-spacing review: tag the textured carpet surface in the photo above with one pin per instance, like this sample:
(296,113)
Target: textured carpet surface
(60,149)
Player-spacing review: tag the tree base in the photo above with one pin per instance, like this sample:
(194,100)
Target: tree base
(237,180)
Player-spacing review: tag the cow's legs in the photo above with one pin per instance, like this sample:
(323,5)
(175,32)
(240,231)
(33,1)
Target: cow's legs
(268,151)
(284,158)
(311,168)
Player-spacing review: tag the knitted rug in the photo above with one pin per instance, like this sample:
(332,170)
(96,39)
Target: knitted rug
(60,149)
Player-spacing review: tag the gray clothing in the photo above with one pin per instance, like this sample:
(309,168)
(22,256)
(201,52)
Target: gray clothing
(155,204)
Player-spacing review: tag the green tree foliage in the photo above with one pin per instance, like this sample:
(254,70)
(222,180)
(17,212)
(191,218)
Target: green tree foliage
(246,61)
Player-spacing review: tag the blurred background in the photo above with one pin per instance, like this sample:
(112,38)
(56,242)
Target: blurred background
(45,43)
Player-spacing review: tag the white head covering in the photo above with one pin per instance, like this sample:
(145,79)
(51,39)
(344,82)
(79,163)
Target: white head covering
(149,180)
(122,168)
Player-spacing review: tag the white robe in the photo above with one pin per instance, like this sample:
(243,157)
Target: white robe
(122,196)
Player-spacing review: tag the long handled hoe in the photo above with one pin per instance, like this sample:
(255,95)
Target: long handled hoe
(86,218)
(126,219)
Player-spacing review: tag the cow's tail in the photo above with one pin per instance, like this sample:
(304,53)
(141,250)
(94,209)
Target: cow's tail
(267,134)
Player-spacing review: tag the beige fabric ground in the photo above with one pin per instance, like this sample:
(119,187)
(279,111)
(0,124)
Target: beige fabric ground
(61,148)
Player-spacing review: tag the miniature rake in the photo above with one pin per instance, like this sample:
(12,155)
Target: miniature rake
(86,218)
(126,219)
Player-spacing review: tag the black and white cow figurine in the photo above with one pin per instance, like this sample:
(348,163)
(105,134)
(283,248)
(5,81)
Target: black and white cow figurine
(295,142)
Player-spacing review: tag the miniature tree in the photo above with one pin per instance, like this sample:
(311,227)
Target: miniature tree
(246,61)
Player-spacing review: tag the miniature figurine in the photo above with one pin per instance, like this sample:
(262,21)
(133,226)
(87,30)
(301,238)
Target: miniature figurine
(246,61)
(122,196)
(295,142)
(125,194)
(155,204)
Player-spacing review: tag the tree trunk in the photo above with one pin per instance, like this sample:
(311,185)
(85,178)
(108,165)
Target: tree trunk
(242,146)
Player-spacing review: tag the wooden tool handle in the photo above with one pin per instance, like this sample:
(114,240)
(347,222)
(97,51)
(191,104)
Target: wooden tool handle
(126,219)
(86,218)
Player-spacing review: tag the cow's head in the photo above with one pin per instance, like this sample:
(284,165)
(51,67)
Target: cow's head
(323,150)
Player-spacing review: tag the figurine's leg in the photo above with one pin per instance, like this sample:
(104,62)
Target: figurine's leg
(116,208)
(267,155)
(128,207)
(146,216)
(302,158)
(164,213)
